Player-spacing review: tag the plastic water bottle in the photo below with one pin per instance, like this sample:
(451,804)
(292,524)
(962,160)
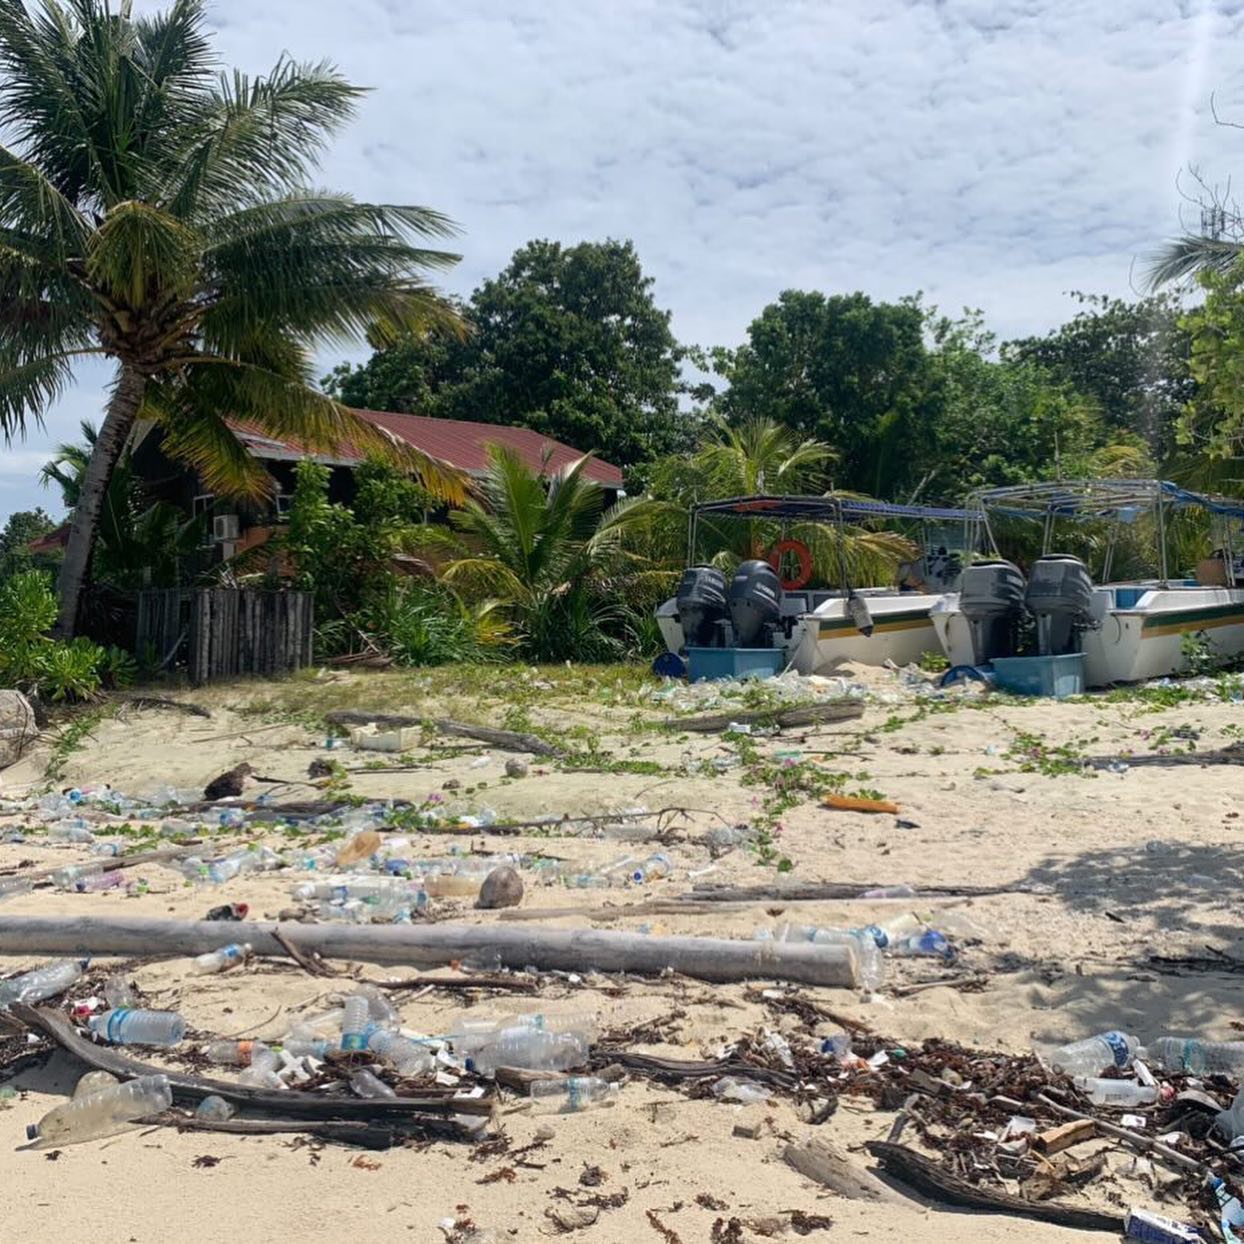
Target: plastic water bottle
(262,1072)
(70,831)
(930,944)
(1197,1057)
(572,1094)
(94,1082)
(67,878)
(42,983)
(231,818)
(103,1113)
(354,1023)
(406,1058)
(1122,1093)
(126,1027)
(1093,1055)
(230,1053)
(307,1047)
(657,865)
(99,881)
(214,1109)
(535,1049)
(230,956)
(367,1085)
(119,993)
(381,1010)
(868,957)
(11,887)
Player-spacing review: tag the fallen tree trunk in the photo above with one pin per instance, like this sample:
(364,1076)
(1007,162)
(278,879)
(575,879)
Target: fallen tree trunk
(938,1184)
(576,950)
(108,865)
(507,740)
(289,1104)
(805,715)
(820,891)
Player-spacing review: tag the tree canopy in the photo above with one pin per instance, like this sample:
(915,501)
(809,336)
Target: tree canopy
(566,340)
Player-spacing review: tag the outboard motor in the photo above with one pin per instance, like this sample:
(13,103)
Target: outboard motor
(701,602)
(755,601)
(1060,598)
(991,597)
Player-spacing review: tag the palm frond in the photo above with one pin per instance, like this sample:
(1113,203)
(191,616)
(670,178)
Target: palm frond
(1182,258)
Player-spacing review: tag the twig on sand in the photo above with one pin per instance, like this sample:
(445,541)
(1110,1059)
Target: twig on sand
(506,740)
(313,964)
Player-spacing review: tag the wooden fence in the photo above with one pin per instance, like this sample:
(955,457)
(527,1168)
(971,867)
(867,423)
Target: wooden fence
(226,632)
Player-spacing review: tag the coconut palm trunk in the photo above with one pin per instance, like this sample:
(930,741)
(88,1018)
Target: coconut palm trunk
(127,397)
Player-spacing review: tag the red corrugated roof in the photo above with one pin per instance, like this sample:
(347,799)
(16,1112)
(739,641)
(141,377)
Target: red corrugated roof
(459,442)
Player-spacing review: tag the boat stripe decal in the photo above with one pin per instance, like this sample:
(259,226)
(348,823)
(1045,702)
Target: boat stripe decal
(881,626)
(1175,623)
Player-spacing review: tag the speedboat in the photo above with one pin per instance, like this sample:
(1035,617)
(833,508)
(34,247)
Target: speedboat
(1126,631)
(814,629)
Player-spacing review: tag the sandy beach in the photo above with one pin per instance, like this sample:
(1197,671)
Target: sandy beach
(1107,869)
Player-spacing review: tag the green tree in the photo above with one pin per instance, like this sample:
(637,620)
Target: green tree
(1212,426)
(566,340)
(156,215)
(22,527)
(844,370)
(1131,358)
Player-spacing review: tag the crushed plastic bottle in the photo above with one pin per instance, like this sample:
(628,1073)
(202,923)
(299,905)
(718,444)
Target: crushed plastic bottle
(405,1056)
(99,881)
(748,1092)
(118,993)
(94,1082)
(129,1027)
(1197,1057)
(1230,1122)
(103,1113)
(230,956)
(11,887)
(535,1049)
(214,1109)
(1118,1093)
(1093,1055)
(42,983)
(930,944)
(572,1094)
(262,1072)
(364,1084)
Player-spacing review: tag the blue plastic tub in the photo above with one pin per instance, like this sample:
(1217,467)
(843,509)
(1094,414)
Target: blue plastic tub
(707,663)
(1055,676)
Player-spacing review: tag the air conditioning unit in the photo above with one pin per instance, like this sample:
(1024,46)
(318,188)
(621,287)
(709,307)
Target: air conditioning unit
(224,527)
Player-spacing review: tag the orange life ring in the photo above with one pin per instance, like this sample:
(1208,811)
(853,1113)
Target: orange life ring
(800,550)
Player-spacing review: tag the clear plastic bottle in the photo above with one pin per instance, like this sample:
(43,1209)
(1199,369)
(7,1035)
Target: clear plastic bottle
(262,1072)
(406,1058)
(536,1049)
(230,1053)
(119,993)
(42,983)
(99,881)
(930,944)
(214,1109)
(655,866)
(128,1027)
(1093,1055)
(452,885)
(354,1023)
(230,956)
(365,1084)
(11,887)
(67,878)
(381,1010)
(307,1047)
(1197,1057)
(94,1082)
(572,1094)
(70,831)
(1121,1093)
(101,1114)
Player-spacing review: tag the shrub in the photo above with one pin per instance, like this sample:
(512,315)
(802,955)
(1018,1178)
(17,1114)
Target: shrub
(29,658)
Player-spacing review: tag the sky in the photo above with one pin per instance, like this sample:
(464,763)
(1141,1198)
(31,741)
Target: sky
(990,153)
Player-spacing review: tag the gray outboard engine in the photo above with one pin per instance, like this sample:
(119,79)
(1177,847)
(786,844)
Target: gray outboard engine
(991,597)
(1060,598)
(701,602)
(755,602)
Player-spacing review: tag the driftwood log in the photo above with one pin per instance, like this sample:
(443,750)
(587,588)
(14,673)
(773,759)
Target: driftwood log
(823,1161)
(822,891)
(1232,754)
(804,715)
(160,856)
(917,1172)
(365,1135)
(575,950)
(189,1090)
(506,740)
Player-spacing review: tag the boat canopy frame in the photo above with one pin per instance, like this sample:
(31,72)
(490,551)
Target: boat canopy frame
(1085,500)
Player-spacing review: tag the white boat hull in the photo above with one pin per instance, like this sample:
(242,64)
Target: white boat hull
(1142,639)
(826,638)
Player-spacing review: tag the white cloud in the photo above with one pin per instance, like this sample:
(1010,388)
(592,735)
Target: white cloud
(994,153)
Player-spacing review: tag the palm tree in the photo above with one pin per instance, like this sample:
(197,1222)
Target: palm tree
(1185,257)
(540,548)
(156,215)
